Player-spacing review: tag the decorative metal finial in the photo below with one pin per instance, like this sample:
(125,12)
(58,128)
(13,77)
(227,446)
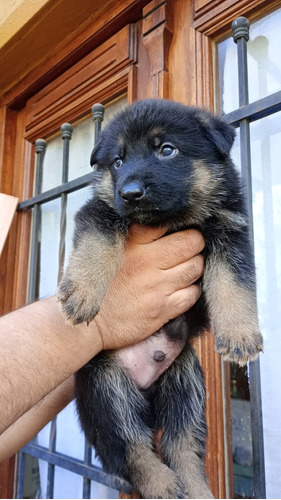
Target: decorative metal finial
(66,131)
(98,112)
(40,146)
(240,28)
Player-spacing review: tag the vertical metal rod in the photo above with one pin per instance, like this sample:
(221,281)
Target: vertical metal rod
(66,133)
(51,467)
(98,116)
(87,461)
(240,28)
(40,149)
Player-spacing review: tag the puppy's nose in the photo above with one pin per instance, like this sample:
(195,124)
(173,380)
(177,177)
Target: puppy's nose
(133,191)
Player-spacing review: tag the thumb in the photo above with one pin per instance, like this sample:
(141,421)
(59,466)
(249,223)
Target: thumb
(142,235)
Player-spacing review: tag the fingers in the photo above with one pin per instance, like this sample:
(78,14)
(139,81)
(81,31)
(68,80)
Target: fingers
(166,251)
(185,274)
(144,234)
(169,251)
(182,300)
(179,247)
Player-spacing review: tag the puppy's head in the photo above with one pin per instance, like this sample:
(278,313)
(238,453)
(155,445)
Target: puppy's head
(158,161)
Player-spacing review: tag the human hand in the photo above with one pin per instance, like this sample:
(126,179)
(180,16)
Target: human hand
(155,283)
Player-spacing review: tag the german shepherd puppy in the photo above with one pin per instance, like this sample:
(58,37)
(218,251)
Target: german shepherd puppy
(159,163)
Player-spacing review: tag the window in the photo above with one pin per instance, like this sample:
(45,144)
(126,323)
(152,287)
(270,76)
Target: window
(264,121)
(70,476)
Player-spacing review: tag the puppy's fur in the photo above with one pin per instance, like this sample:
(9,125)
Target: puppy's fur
(161,163)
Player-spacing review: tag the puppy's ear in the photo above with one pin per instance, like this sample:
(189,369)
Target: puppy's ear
(219,132)
(223,136)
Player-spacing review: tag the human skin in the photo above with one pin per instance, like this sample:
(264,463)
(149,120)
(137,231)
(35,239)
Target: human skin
(40,352)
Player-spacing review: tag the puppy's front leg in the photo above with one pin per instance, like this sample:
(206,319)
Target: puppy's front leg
(230,294)
(95,258)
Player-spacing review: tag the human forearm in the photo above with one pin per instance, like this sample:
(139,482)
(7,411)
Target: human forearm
(30,423)
(41,351)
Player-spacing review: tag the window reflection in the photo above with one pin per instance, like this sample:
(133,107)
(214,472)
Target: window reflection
(264,63)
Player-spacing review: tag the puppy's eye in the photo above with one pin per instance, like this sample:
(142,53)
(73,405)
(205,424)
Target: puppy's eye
(167,150)
(117,162)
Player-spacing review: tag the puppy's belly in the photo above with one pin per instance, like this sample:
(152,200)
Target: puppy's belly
(147,360)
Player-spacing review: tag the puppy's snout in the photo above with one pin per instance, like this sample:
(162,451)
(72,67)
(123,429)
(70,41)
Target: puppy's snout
(133,192)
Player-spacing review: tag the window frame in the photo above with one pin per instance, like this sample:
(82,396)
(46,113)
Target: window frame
(206,22)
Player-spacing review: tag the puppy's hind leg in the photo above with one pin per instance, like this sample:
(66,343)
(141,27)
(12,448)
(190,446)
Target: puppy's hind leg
(180,410)
(116,419)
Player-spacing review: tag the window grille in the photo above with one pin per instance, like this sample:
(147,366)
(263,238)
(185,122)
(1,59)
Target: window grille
(240,118)
(84,468)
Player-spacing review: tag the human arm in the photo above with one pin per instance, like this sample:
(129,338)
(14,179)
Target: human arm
(39,350)
(30,423)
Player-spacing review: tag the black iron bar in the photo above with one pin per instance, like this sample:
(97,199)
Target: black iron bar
(88,462)
(98,116)
(66,133)
(240,28)
(40,149)
(52,194)
(92,472)
(255,110)
(51,467)
(66,130)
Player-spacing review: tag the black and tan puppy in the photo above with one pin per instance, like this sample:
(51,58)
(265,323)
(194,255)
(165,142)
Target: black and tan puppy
(161,163)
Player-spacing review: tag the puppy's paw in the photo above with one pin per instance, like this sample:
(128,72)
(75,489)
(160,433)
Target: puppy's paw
(78,305)
(241,351)
(166,485)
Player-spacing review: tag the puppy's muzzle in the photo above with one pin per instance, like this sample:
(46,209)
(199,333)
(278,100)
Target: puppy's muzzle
(133,192)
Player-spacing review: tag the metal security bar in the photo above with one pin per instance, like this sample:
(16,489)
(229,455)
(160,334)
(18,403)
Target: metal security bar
(241,118)
(84,468)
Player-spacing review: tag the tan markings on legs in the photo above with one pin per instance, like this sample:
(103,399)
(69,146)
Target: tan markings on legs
(91,267)
(233,313)
(184,457)
(152,478)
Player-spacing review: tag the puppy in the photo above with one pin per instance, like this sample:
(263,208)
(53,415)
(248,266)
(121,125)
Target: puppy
(161,163)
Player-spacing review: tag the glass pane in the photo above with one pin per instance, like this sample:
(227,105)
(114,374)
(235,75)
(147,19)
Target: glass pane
(264,63)
(49,248)
(75,200)
(266,153)
(81,146)
(52,169)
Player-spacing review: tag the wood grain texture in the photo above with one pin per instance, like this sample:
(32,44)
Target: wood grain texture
(51,58)
(214,17)
(71,94)
(157,32)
